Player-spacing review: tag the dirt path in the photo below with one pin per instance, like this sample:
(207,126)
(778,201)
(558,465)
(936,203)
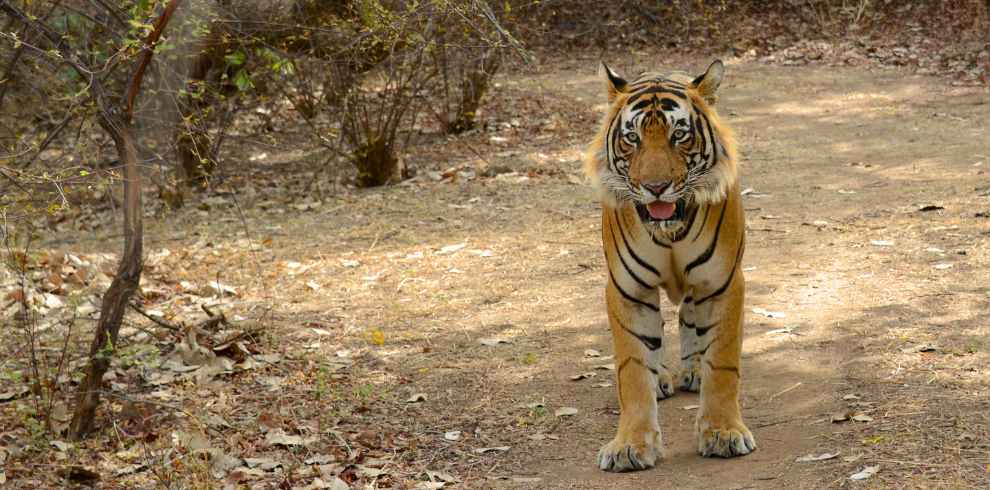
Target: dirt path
(840,163)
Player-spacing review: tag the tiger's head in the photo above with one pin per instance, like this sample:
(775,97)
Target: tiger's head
(661,147)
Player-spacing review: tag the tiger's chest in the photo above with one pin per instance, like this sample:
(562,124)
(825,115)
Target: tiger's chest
(680,258)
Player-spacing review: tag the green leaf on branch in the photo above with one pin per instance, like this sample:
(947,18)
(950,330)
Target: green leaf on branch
(237,58)
(243,80)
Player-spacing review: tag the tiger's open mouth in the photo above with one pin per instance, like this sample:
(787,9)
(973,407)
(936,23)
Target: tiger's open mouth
(662,212)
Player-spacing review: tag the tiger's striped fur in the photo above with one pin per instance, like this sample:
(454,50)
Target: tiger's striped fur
(672,219)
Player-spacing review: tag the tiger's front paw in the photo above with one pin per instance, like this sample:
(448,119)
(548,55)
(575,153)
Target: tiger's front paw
(665,384)
(690,378)
(726,442)
(625,454)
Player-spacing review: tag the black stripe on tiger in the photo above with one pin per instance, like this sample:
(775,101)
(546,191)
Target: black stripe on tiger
(711,139)
(734,369)
(655,90)
(630,297)
(658,242)
(699,331)
(707,254)
(618,372)
(735,265)
(622,365)
(652,343)
(698,130)
(688,223)
(701,351)
(618,251)
(625,243)
(703,222)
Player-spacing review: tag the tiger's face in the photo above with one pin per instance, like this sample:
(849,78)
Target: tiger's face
(661,148)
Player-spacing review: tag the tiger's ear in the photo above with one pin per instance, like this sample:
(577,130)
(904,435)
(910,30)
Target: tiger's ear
(707,83)
(613,82)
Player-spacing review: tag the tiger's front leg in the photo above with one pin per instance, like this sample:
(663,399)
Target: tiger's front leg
(636,333)
(718,332)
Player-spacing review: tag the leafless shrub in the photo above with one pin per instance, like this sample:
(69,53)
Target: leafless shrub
(465,62)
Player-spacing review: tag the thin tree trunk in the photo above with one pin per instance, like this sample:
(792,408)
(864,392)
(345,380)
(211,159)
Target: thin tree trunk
(124,284)
(116,121)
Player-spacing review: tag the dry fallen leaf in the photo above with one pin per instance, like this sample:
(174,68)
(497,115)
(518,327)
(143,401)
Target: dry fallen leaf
(919,348)
(319,459)
(334,483)
(579,377)
(768,313)
(493,342)
(222,463)
(221,288)
(820,457)
(377,336)
(453,435)
(244,473)
(690,407)
(839,417)
(440,476)
(861,417)
(264,464)
(61,446)
(607,367)
(565,411)
(592,353)
(280,438)
(449,249)
(483,450)
(865,473)
(369,472)
(17,392)
(416,398)
(430,485)
(526,479)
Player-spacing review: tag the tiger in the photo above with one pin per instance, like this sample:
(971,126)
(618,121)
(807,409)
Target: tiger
(664,166)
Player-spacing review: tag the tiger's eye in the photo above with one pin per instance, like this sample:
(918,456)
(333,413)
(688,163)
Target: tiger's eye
(678,134)
(632,138)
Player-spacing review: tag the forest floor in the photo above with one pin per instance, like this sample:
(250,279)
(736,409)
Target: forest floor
(425,335)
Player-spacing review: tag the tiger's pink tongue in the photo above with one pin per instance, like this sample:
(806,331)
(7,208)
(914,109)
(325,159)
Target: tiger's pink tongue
(661,210)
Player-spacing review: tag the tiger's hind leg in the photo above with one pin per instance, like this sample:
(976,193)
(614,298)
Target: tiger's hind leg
(656,361)
(694,340)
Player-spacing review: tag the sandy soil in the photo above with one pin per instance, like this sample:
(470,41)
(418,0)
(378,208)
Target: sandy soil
(841,163)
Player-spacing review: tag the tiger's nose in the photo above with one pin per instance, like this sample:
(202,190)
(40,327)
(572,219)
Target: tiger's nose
(656,188)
